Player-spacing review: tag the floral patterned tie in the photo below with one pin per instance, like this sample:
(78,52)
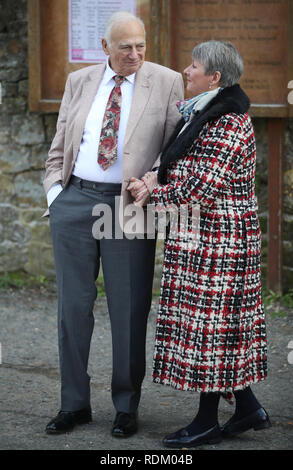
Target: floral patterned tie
(107,153)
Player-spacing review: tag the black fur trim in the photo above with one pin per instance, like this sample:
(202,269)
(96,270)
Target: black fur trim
(229,100)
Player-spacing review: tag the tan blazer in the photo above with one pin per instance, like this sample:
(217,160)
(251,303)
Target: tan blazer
(152,118)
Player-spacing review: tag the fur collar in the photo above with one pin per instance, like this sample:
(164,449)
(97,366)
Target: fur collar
(229,100)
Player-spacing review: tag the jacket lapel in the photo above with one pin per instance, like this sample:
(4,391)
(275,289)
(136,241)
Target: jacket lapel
(141,95)
(89,90)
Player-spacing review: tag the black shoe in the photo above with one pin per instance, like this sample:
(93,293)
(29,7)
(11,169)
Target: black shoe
(257,420)
(66,420)
(125,424)
(182,438)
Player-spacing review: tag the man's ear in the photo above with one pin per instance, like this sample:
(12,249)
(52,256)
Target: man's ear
(105,46)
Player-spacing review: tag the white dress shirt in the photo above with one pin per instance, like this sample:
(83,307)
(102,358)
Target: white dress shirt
(86,164)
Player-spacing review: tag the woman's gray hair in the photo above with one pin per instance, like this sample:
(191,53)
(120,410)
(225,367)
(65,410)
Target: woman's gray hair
(120,17)
(221,56)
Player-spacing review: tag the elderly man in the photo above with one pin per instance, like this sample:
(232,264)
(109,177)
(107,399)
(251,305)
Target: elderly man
(113,123)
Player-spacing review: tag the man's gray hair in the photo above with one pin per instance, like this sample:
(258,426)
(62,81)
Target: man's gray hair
(120,17)
(221,56)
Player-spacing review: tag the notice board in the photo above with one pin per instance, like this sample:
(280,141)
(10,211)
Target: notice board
(262,32)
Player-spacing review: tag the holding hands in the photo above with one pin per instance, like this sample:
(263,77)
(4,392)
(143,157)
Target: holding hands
(141,190)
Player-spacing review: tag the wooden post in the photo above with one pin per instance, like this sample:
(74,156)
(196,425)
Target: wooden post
(160,32)
(276,131)
(34,54)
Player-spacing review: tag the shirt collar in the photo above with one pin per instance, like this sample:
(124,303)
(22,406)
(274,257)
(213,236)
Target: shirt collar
(109,74)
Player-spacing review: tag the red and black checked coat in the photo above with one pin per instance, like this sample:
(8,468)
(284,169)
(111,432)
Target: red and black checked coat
(211,333)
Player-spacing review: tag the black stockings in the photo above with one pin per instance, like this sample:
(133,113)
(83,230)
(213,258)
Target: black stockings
(207,416)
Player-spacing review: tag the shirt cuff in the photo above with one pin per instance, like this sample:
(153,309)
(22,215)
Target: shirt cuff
(53,192)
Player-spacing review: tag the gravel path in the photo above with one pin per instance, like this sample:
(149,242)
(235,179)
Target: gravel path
(29,385)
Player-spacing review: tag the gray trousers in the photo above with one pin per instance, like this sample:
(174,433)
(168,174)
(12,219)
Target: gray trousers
(128,267)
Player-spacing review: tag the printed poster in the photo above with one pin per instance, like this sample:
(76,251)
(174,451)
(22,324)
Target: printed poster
(87,20)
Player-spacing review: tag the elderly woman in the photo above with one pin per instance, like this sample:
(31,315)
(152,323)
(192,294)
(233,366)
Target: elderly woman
(211,334)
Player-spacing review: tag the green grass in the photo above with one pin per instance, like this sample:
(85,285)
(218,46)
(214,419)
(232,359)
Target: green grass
(275,304)
(21,279)
(101,286)
(270,297)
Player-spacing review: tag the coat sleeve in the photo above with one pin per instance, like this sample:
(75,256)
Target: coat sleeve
(54,163)
(172,115)
(219,150)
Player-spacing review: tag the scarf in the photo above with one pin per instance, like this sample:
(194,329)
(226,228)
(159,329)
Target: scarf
(189,108)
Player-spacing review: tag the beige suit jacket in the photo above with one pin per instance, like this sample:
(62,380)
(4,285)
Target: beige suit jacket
(152,118)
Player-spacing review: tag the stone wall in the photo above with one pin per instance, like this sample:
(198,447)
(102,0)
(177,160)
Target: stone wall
(24,142)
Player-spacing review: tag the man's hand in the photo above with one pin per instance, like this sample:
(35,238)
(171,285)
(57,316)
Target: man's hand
(138,191)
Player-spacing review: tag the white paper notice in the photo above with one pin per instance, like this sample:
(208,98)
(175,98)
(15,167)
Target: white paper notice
(87,20)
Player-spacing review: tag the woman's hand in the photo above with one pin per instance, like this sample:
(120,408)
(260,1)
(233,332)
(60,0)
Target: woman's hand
(151,180)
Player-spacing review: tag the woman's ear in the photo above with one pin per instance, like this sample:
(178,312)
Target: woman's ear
(217,78)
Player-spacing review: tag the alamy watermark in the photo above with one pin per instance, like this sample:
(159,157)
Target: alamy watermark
(181,223)
(290,355)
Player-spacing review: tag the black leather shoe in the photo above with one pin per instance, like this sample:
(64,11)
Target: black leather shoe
(66,420)
(182,438)
(257,420)
(125,424)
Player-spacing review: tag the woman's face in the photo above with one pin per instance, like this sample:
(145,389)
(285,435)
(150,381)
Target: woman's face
(197,81)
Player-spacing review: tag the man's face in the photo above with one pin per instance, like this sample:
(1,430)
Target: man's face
(127,49)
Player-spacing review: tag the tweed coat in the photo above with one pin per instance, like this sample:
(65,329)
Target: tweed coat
(211,332)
